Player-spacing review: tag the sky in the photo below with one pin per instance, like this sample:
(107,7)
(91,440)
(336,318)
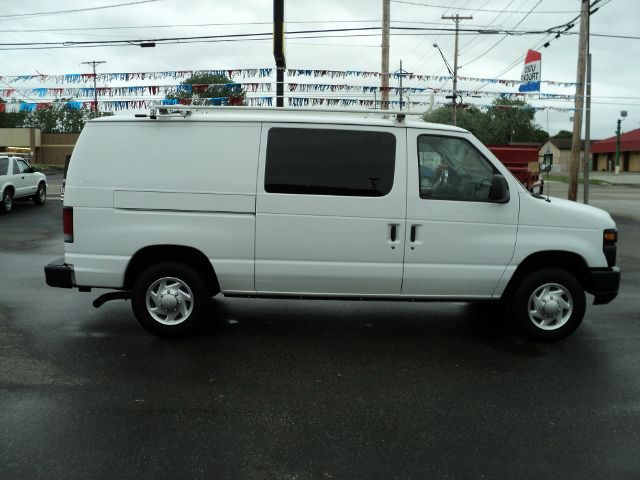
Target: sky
(615,65)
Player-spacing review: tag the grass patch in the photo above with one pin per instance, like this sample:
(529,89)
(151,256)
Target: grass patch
(48,169)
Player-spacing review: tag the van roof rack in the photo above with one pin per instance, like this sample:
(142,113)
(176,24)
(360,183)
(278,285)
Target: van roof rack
(186,110)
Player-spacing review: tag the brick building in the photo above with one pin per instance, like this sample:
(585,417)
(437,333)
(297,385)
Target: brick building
(42,148)
(604,153)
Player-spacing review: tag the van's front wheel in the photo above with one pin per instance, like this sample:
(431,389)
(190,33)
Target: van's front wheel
(170,299)
(548,305)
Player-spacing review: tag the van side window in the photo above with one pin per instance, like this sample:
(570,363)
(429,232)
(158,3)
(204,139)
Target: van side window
(452,169)
(330,162)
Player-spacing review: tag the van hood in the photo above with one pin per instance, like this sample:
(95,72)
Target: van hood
(558,212)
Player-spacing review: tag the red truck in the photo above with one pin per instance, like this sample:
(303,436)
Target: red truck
(523,162)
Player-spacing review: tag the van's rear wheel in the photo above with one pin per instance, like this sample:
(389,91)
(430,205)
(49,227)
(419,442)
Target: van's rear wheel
(548,305)
(170,299)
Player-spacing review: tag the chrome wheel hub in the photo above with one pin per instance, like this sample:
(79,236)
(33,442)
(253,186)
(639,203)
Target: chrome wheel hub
(169,301)
(550,306)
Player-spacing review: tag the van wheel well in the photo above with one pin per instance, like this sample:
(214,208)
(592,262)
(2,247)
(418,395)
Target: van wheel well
(192,257)
(571,262)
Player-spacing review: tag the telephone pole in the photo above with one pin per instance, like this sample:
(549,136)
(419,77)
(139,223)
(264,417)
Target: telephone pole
(278,49)
(574,166)
(586,163)
(457,19)
(384,73)
(93,63)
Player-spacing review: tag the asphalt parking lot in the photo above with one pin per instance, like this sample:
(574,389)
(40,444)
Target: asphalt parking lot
(310,389)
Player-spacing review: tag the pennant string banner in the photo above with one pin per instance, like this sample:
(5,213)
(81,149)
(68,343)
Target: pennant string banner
(78,78)
(137,91)
(117,105)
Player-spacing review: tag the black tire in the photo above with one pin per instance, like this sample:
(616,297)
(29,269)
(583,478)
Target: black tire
(185,291)
(41,195)
(6,204)
(557,308)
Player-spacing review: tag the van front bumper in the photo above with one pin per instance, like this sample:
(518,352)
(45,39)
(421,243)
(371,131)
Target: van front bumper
(604,284)
(59,274)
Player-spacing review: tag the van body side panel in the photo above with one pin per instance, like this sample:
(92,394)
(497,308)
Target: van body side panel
(562,225)
(225,239)
(328,244)
(177,183)
(461,247)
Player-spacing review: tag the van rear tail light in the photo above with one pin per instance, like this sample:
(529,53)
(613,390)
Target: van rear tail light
(67,224)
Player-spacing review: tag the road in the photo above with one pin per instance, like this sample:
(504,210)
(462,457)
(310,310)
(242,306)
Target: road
(309,389)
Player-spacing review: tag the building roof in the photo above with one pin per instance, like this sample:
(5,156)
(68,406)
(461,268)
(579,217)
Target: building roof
(629,142)
(565,143)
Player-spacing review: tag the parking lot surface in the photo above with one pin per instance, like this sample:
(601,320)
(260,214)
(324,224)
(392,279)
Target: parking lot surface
(310,389)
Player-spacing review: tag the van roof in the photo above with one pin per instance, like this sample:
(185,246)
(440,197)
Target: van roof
(275,115)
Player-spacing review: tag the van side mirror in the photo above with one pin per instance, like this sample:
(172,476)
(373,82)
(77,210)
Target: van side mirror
(499,192)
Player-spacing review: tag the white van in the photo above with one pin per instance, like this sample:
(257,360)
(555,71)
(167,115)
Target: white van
(172,209)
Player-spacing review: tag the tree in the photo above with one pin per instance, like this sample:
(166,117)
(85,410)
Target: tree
(206,85)
(58,117)
(11,120)
(563,134)
(506,121)
(470,118)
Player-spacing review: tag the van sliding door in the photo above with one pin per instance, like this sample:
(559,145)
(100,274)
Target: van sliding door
(330,214)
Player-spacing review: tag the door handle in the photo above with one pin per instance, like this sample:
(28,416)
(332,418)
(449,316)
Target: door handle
(413,233)
(393,232)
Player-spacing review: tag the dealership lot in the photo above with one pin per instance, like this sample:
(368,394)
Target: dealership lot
(310,389)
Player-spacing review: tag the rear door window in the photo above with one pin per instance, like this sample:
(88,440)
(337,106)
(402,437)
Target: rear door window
(330,162)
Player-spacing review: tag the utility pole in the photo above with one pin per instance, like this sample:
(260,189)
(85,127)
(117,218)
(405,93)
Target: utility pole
(278,49)
(617,170)
(384,73)
(93,63)
(456,18)
(574,166)
(401,74)
(587,134)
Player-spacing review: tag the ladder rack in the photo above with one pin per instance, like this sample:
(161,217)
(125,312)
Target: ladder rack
(186,110)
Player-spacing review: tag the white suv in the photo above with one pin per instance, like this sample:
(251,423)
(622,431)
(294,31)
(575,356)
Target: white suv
(19,180)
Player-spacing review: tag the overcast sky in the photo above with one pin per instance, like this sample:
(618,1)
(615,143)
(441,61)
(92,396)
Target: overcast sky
(615,61)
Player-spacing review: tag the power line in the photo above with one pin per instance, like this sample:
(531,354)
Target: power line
(548,39)
(505,36)
(267,36)
(63,12)
(484,9)
(205,25)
